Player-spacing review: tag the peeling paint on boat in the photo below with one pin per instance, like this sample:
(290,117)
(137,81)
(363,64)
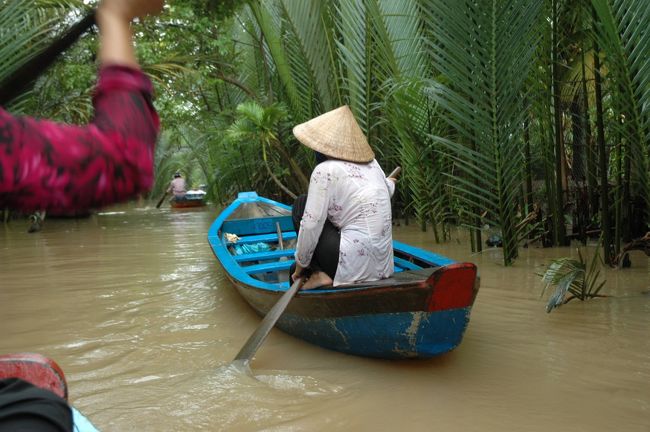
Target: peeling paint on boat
(412,332)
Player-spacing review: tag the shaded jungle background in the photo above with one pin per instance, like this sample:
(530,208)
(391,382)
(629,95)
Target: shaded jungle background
(526,120)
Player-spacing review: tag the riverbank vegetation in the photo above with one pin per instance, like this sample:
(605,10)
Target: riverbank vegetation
(573,279)
(531,117)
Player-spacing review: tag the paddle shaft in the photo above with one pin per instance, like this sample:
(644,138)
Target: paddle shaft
(162,198)
(279,231)
(255,341)
(16,83)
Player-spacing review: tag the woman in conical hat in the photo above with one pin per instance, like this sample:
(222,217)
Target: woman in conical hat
(344,223)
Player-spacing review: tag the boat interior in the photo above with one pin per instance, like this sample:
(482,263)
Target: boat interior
(261,238)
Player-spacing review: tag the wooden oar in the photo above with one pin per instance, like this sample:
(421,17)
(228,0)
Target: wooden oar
(395,172)
(255,341)
(282,273)
(280,239)
(16,83)
(162,198)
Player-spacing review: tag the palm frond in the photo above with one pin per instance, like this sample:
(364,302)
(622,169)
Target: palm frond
(622,34)
(354,48)
(268,19)
(575,277)
(310,24)
(484,50)
(26,27)
(564,284)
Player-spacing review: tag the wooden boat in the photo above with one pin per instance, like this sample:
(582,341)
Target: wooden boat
(193,198)
(45,373)
(420,312)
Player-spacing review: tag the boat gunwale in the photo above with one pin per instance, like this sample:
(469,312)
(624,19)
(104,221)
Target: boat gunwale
(236,272)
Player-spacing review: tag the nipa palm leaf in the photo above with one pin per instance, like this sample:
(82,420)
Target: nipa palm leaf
(484,50)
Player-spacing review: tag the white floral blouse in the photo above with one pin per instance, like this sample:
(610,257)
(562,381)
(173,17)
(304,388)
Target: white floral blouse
(356,199)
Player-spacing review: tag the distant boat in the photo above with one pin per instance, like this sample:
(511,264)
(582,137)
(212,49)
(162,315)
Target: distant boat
(192,198)
(420,312)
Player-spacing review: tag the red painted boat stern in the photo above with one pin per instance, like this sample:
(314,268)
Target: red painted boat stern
(454,286)
(35,369)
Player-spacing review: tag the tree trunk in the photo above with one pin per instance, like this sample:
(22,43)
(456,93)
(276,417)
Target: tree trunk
(626,202)
(618,194)
(274,177)
(558,217)
(297,171)
(592,181)
(528,172)
(603,156)
(578,169)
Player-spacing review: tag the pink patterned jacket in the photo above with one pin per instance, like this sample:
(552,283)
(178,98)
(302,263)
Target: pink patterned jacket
(52,166)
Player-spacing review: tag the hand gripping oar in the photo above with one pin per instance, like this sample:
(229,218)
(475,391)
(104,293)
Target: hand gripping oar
(255,341)
(15,84)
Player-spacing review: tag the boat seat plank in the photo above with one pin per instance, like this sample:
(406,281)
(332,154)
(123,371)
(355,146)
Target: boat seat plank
(262,225)
(405,264)
(266,255)
(271,238)
(401,278)
(268,267)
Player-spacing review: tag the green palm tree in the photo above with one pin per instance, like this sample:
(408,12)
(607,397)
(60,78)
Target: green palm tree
(621,33)
(298,41)
(28,26)
(258,124)
(462,94)
(484,50)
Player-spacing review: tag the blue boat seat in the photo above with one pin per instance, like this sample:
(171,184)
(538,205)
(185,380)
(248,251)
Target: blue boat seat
(271,238)
(405,264)
(262,225)
(261,256)
(274,266)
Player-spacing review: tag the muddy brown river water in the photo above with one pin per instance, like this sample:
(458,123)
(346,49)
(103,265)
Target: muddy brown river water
(132,304)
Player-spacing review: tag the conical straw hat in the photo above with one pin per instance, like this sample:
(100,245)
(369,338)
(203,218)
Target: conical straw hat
(336,134)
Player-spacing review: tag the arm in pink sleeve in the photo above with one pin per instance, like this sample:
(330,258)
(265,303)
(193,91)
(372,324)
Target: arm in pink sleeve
(52,166)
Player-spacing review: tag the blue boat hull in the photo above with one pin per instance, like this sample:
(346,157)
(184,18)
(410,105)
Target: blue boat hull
(388,335)
(420,312)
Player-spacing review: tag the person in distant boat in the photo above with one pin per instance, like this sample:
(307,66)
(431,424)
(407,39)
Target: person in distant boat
(51,166)
(58,167)
(178,187)
(344,223)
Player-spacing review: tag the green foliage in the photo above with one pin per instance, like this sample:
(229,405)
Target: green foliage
(214,9)
(484,108)
(426,163)
(312,35)
(257,124)
(573,279)
(623,35)
(452,92)
(27,27)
